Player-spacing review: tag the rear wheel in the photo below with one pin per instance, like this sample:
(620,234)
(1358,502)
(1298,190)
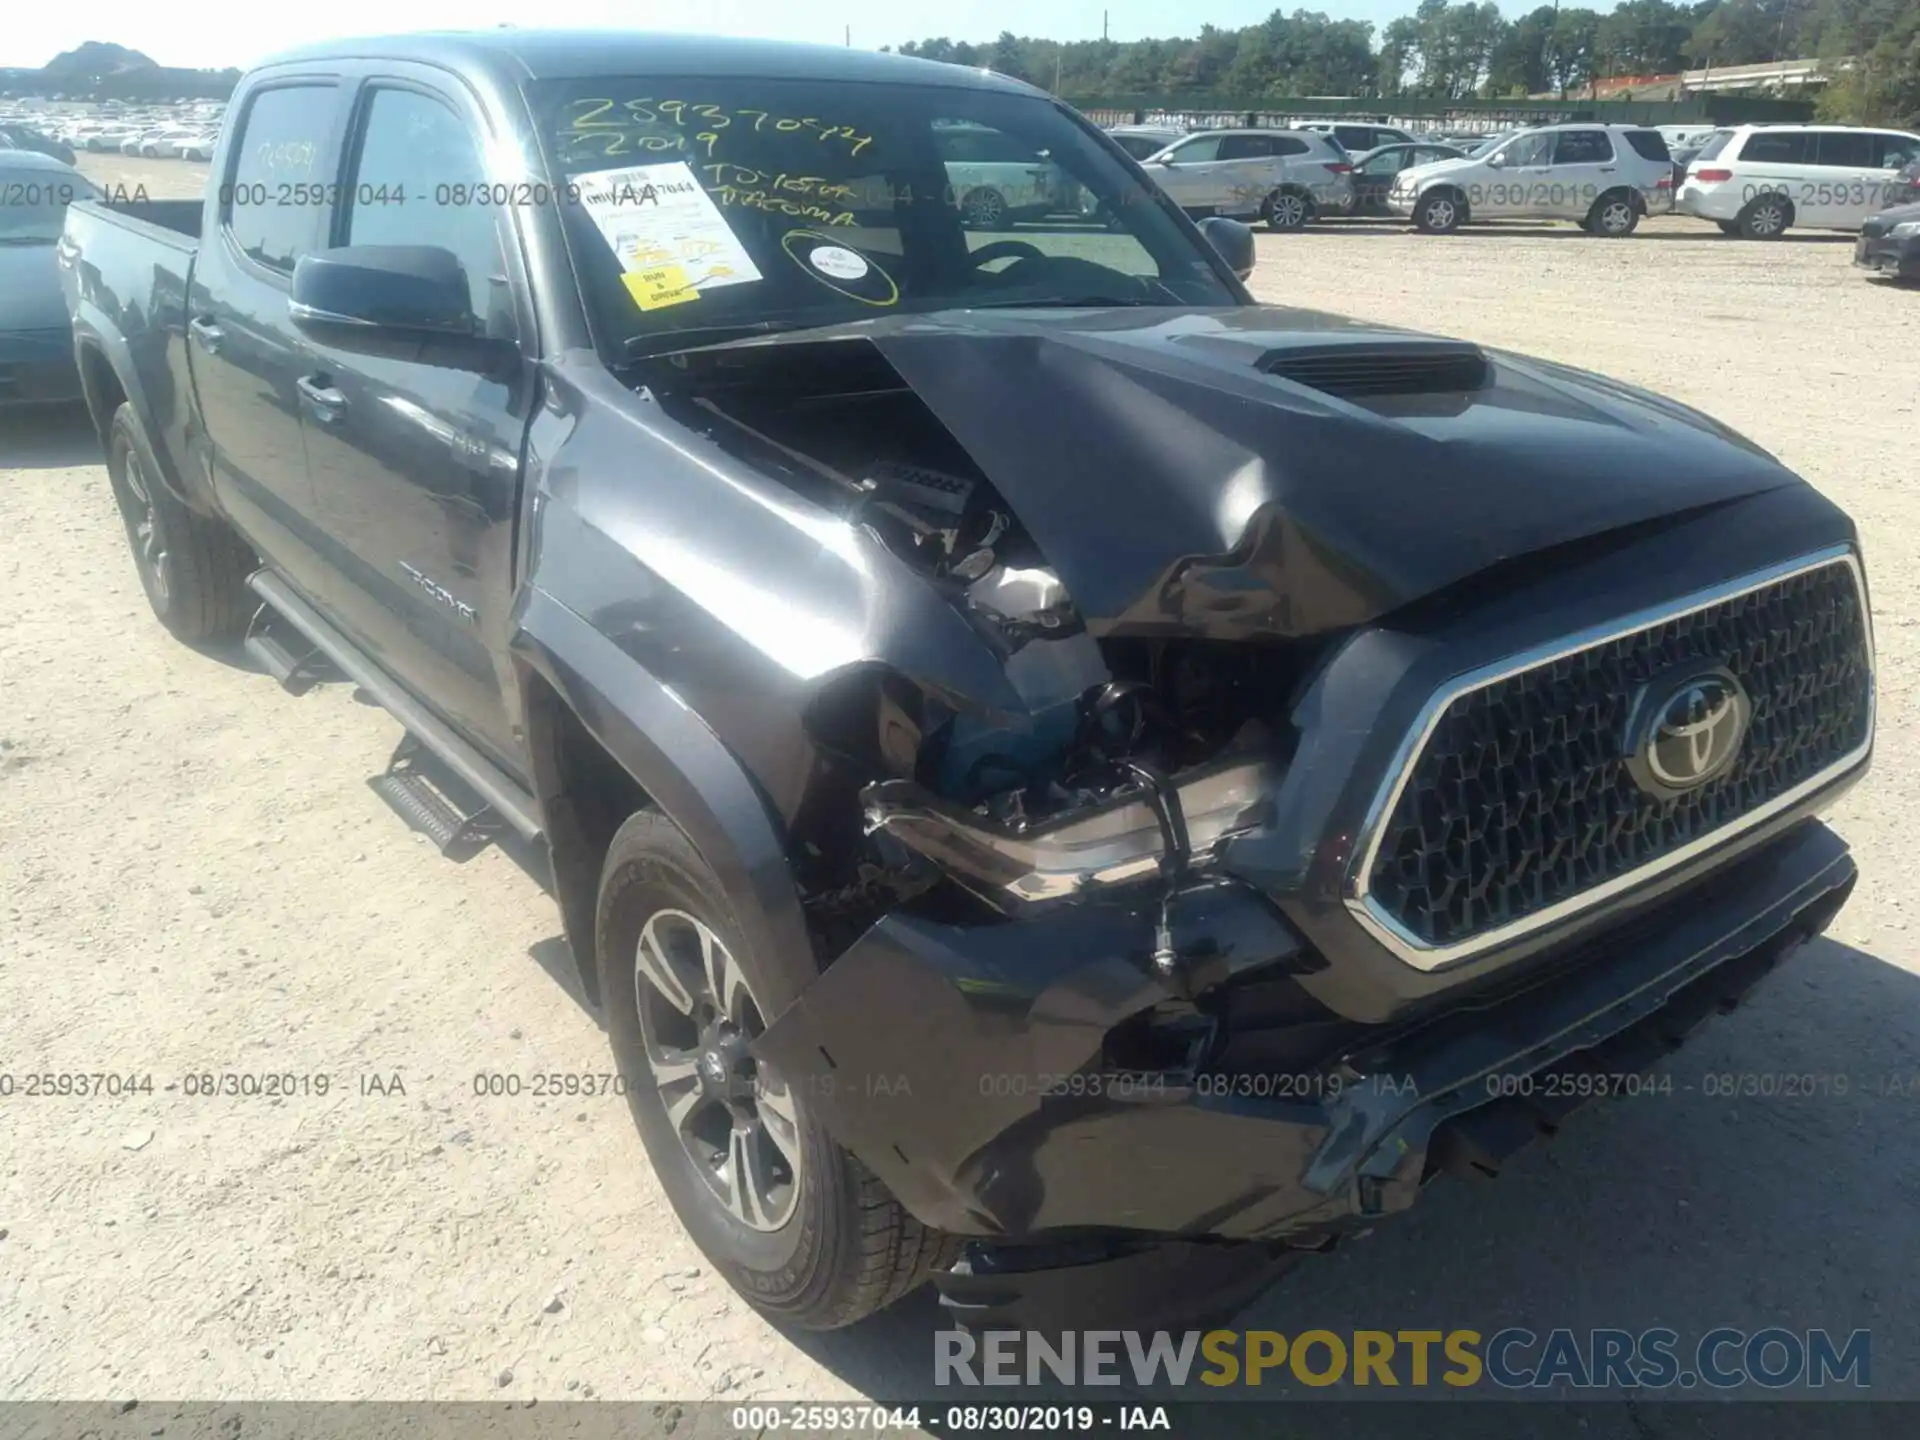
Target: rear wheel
(1613,216)
(797,1225)
(193,567)
(1766,218)
(1287,210)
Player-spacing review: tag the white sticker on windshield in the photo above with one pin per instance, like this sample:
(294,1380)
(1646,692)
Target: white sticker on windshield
(839,262)
(660,222)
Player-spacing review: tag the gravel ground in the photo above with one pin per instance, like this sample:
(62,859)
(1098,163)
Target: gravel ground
(194,880)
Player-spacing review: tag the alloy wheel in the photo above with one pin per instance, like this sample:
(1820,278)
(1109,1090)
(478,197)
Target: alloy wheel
(734,1117)
(143,523)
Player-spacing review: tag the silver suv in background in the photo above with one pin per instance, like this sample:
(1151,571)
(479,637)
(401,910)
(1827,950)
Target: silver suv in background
(1602,177)
(1284,177)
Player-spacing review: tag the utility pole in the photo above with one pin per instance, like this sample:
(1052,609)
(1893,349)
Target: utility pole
(849,37)
(1103,25)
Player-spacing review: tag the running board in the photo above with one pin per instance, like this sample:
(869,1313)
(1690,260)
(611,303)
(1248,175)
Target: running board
(284,653)
(491,785)
(435,803)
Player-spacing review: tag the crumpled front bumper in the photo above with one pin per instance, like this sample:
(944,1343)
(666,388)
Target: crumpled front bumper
(969,1066)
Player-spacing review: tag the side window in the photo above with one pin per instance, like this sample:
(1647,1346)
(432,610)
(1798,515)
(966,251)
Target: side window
(1649,145)
(1245,147)
(1389,163)
(282,142)
(1716,142)
(1528,150)
(1289,145)
(1582,147)
(1846,149)
(1778,147)
(1196,151)
(1895,152)
(413,183)
(1427,154)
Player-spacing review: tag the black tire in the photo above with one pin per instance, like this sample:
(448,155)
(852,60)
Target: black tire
(193,567)
(1286,211)
(846,1248)
(1614,216)
(1766,217)
(1439,212)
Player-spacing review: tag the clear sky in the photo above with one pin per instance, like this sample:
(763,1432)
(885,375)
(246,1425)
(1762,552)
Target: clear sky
(225,33)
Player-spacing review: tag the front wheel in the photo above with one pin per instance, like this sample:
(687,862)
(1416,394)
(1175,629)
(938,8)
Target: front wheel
(193,567)
(984,209)
(1438,214)
(797,1225)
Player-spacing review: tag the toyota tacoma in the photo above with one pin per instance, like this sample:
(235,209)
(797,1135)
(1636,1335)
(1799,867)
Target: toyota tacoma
(1059,779)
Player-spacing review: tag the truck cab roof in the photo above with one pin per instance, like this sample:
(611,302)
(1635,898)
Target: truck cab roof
(520,55)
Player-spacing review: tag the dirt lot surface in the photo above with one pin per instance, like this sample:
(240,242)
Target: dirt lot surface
(195,880)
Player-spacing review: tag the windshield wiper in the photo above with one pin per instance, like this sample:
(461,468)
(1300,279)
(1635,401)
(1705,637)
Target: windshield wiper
(642,347)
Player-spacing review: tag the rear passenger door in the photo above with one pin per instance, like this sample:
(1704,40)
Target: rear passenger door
(1780,162)
(246,357)
(417,467)
(1583,165)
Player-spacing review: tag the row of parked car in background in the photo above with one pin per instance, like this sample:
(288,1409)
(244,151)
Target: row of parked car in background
(166,132)
(1756,181)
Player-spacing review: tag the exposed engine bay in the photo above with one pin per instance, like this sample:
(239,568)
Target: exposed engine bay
(1164,744)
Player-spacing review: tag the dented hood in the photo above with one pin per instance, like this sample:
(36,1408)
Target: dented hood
(1240,471)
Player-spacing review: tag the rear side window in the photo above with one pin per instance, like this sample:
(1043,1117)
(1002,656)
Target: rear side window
(282,144)
(1354,137)
(1290,145)
(1582,147)
(1895,151)
(1649,144)
(1778,147)
(1850,149)
(1716,142)
(1245,147)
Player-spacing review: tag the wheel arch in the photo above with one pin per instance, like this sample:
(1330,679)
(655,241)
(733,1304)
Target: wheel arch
(606,737)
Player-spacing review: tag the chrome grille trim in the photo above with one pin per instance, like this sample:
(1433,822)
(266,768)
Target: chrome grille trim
(1384,927)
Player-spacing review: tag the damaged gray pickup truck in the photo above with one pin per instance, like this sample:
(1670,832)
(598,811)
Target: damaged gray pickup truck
(1060,780)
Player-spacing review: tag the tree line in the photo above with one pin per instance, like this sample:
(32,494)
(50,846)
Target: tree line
(1457,50)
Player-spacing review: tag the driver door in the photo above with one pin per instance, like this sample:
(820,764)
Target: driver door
(1191,172)
(1511,185)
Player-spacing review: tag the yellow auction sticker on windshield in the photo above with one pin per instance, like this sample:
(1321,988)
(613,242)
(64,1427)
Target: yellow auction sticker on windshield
(659,220)
(659,285)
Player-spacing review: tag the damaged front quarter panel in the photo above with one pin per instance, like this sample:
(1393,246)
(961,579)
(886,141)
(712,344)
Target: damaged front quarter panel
(963,1033)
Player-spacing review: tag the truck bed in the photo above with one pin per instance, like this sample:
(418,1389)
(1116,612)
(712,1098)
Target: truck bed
(167,221)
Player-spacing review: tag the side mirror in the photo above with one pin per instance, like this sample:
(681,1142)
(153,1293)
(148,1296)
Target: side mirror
(1233,240)
(400,302)
(1497,162)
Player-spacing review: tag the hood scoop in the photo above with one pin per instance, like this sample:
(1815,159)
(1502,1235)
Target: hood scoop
(1378,369)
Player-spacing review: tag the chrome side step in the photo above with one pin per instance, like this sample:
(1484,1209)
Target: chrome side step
(492,786)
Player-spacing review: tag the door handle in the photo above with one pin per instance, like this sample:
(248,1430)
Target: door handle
(207,333)
(326,402)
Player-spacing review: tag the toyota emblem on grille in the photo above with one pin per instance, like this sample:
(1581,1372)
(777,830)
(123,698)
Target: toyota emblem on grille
(1685,733)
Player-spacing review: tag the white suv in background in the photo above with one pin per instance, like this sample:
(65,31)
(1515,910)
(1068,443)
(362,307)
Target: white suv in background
(1284,177)
(1603,177)
(1756,180)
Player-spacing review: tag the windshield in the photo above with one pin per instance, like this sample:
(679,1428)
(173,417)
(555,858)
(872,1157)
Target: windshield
(707,204)
(33,204)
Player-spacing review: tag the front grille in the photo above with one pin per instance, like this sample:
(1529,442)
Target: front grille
(1520,800)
